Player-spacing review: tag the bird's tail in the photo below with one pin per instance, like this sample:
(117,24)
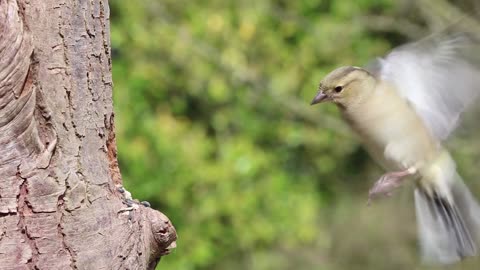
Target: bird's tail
(448,218)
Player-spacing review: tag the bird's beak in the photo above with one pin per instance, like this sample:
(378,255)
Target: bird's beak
(320,97)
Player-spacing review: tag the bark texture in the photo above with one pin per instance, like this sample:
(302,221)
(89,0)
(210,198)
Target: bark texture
(59,204)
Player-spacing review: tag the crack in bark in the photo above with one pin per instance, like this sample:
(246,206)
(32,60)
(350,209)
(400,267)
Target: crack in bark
(23,209)
(67,71)
(106,46)
(114,169)
(60,210)
(27,81)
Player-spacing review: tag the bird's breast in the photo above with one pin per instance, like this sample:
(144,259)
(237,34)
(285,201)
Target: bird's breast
(391,131)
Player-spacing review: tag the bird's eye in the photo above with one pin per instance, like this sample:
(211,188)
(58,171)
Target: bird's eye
(338,89)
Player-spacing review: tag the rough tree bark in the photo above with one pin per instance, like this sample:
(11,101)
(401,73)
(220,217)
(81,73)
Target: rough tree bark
(59,201)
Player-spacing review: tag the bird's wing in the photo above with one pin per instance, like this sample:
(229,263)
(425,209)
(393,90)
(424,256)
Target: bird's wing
(437,76)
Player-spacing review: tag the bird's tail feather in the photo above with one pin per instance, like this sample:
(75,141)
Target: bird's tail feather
(448,227)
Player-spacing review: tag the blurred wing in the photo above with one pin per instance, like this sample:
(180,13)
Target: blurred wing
(436,75)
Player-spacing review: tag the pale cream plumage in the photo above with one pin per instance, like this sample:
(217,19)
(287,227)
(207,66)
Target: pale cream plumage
(402,110)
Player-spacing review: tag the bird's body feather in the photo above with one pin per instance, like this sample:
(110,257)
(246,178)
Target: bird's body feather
(394,135)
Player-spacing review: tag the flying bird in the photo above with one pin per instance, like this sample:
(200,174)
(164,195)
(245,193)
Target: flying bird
(403,107)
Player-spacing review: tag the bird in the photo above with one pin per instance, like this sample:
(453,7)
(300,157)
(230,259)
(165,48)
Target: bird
(403,107)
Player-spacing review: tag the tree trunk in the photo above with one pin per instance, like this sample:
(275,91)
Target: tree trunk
(60,205)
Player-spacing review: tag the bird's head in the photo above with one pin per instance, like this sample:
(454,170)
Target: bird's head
(345,86)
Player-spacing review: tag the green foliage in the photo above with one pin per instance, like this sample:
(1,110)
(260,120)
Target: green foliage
(215,129)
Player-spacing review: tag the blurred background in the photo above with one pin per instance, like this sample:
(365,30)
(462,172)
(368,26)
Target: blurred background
(215,129)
